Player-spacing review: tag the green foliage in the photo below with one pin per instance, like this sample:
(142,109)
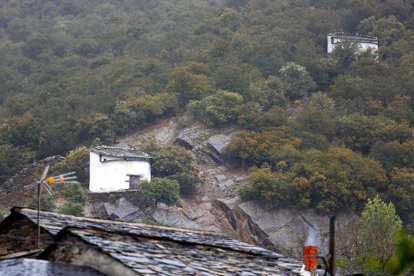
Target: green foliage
(236,78)
(346,179)
(175,163)
(12,160)
(273,189)
(74,193)
(360,132)
(47,202)
(255,148)
(267,93)
(76,160)
(253,118)
(161,190)
(317,121)
(403,261)
(394,154)
(401,192)
(296,81)
(186,85)
(72,208)
(219,108)
(325,181)
(379,224)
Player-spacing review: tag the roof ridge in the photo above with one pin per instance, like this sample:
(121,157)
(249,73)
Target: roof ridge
(25,209)
(143,235)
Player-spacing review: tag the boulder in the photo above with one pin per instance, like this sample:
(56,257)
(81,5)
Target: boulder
(226,184)
(191,137)
(174,217)
(126,211)
(220,178)
(288,228)
(218,143)
(105,210)
(191,215)
(238,225)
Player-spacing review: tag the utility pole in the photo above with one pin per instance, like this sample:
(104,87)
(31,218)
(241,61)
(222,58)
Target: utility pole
(331,266)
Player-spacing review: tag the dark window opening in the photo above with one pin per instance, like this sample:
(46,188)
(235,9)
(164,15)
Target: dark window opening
(134,181)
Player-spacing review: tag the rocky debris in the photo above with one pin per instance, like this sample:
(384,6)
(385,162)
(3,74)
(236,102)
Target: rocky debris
(191,137)
(190,214)
(286,227)
(238,225)
(19,189)
(224,185)
(126,211)
(217,144)
(105,210)
(122,210)
(220,178)
(241,178)
(164,132)
(174,217)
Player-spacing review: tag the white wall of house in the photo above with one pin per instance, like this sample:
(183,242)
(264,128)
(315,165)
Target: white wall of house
(110,176)
(334,41)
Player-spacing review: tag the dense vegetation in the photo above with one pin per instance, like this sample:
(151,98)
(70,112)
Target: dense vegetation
(326,132)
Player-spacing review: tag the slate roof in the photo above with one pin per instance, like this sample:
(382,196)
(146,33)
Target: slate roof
(354,36)
(32,267)
(120,152)
(154,256)
(138,244)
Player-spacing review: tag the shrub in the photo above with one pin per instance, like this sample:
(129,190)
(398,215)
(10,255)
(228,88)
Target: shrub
(76,160)
(162,190)
(173,162)
(47,202)
(74,193)
(217,109)
(72,208)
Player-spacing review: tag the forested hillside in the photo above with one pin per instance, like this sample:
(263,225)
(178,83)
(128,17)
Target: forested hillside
(318,131)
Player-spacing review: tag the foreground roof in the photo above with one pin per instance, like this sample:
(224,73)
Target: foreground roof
(120,152)
(32,267)
(145,255)
(161,250)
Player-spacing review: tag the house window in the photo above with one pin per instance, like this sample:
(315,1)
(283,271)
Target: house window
(134,181)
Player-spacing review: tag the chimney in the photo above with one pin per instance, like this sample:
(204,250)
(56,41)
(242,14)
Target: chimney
(310,257)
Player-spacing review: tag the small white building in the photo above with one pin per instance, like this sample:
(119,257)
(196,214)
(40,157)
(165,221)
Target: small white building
(114,169)
(364,42)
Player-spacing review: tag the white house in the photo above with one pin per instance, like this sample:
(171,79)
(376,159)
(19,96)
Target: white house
(114,169)
(364,42)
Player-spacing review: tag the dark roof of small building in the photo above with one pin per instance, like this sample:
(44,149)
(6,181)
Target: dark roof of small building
(120,152)
(206,250)
(33,267)
(353,36)
(148,255)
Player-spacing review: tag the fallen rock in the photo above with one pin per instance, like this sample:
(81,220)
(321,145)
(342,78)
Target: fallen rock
(287,228)
(217,144)
(191,137)
(191,215)
(125,211)
(105,210)
(226,184)
(174,217)
(220,178)
(237,224)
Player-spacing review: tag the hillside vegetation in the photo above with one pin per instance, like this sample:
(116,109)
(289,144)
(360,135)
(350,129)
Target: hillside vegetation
(318,131)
